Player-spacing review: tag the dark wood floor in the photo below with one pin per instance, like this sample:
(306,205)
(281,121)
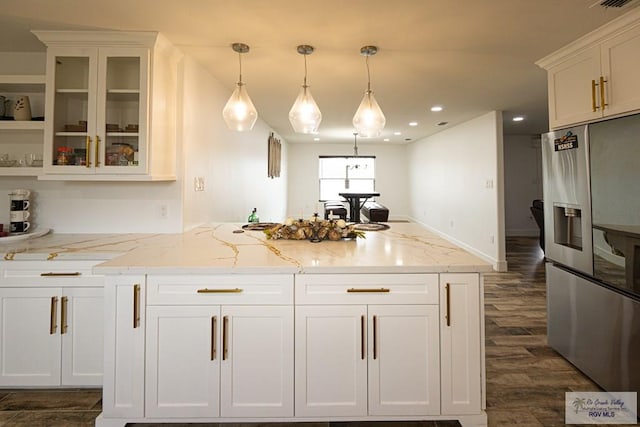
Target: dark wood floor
(526,380)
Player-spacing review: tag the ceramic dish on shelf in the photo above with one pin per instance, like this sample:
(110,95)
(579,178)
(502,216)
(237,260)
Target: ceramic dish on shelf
(8,163)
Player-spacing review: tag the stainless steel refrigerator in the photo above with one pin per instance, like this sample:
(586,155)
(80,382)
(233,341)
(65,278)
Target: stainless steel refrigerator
(591,182)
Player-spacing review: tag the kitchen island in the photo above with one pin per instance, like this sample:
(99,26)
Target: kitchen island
(214,325)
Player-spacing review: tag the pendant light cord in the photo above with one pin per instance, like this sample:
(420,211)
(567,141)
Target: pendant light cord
(305,71)
(368,75)
(240,66)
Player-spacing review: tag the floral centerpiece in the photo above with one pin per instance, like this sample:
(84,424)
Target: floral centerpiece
(313,229)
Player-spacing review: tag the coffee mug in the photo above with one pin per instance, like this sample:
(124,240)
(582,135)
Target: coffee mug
(20,227)
(20,205)
(19,216)
(20,194)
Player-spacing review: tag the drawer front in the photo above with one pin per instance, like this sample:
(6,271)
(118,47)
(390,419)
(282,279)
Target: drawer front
(366,289)
(237,289)
(49,273)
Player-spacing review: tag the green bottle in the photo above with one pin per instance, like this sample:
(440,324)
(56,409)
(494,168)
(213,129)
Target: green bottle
(254,216)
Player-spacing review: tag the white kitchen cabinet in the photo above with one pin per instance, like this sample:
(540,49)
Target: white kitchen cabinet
(110,103)
(596,76)
(124,362)
(51,331)
(21,138)
(461,320)
(218,353)
(211,361)
(373,359)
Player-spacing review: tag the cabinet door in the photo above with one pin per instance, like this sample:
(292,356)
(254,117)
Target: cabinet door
(81,328)
(123,389)
(404,360)
(257,361)
(29,336)
(461,321)
(183,361)
(331,361)
(122,98)
(70,109)
(620,65)
(571,99)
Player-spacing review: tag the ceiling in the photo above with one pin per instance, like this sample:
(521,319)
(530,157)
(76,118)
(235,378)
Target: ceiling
(469,56)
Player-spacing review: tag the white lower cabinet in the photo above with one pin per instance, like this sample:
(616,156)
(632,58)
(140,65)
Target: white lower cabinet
(211,361)
(242,347)
(461,343)
(367,360)
(50,335)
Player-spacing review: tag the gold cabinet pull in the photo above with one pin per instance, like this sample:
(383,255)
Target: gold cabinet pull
(63,315)
(87,155)
(214,324)
(97,156)
(594,106)
(448,313)
(375,338)
(136,306)
(603,103)
(54,315)
(352,290)
(225,325)
(52,274)
(219,291)
(362,332)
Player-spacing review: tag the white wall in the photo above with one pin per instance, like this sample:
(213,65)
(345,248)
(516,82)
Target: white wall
(391,175)
(455,181)
(523,182)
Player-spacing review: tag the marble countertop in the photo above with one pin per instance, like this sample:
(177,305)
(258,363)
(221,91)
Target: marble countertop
(403,248)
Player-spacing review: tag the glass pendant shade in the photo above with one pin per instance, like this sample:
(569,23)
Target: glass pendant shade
(239,113)
(305,116)
(369,119)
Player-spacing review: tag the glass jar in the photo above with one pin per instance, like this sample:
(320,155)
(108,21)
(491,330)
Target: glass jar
(65,156)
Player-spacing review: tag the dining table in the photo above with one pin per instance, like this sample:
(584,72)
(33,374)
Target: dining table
(356,201)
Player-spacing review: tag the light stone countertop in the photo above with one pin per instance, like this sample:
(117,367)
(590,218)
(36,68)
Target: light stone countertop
(404,248)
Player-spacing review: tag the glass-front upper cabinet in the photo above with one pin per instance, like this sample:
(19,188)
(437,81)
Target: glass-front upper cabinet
(97,100)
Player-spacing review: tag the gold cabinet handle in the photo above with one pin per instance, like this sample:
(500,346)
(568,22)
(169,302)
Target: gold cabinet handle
(87,155)
(448,313)
(52,274)
(136,306)
(225,325)
(214,324)
(54,315)
(352,290)
(97,155)
(362,332)
(603,103)
(219,291)
(375,337)
(593,95)
(63,315)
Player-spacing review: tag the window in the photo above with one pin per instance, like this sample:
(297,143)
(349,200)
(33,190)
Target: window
(338,174)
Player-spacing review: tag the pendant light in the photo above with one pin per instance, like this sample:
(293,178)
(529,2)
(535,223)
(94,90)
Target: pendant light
(239,112)
(369,119)
(305,116)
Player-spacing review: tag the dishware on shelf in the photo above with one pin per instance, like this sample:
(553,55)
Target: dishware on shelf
(20,226)
(22,108)
(4,104)
(19,211)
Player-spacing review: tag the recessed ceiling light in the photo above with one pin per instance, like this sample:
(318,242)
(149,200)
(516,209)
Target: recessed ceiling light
(316,139)
(413,123)
(386,140)
(436,108)
(518,119)
(397,133)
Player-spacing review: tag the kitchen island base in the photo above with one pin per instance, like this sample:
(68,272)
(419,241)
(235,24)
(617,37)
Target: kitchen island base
(215,326)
